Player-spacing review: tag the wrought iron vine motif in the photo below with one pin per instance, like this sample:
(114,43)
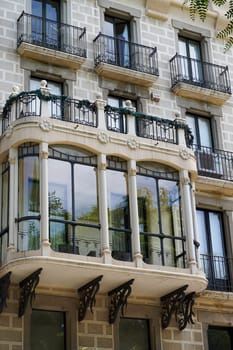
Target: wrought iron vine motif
(87,295)
(179,304)
(28,287)
(118,301)
(4,286)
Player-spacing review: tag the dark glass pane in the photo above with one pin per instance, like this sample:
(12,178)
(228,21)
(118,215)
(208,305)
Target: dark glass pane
(220,338)
(134,334)
(47,330)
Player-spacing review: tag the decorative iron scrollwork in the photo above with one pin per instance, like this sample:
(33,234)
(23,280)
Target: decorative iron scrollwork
(179,304)
(118,301)
(87,295)
(4,286)
(28,287)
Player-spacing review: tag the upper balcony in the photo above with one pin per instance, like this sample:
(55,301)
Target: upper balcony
(125,61)
(200,80)
(50,41)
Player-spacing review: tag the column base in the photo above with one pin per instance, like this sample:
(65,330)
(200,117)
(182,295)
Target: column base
(138,260)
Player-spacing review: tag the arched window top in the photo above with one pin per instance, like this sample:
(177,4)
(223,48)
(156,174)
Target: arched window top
(28,149)
(72,154)
(157,170)
(116,163)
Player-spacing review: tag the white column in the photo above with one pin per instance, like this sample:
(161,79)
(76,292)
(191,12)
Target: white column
(103,208)
(180,130)
(44,221)
(13,198)
(100,104)
(188,218)
(195,226)
(134,220)
(131,125)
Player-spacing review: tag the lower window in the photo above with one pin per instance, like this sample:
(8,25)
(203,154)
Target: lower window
(48,330)
(134,333)
(220,338)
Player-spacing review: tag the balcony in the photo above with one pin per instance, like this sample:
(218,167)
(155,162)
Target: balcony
(125,61)
(200,80)
(217,271)
(25,106)
(214,163)
(49,41)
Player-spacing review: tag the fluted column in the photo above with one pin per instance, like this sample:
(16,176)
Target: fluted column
(100,104)
(195,225)
(44,222)
(188,218)
(13,198)
(134,221)
(103,208)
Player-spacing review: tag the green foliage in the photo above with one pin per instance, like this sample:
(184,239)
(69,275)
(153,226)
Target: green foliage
(200,8)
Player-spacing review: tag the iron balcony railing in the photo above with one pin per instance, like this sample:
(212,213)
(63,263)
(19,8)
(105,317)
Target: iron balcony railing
(125,54)
(122,120)
(51,34)
(197,72)
(217,270)
(214,162)
(29,104)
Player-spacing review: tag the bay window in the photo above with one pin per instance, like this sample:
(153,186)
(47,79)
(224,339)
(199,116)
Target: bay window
(161,235)
(118,208)
(73,203)
(28,197)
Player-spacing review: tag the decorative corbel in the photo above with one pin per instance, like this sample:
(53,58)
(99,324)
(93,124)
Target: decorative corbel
(179,304)
(28,287)
(4,286)
(87,295)
(118,301)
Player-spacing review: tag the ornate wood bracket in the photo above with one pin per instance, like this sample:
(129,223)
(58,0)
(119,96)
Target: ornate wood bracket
(4,286)
(87,295)
(118,301)
(181,305)
(28,287)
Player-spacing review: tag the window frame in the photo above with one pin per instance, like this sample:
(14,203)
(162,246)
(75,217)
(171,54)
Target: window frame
(150,313)
(54,303)
(223,328)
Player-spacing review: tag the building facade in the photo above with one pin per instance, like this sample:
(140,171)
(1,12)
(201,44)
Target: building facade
(116,156)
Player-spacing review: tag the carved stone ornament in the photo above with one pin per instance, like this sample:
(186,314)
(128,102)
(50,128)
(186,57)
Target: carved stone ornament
(180,305)
(87,295)
(184,154)
(4,286)
(27,290)
(132,143)
(118,300)
(45,125)
(103,137)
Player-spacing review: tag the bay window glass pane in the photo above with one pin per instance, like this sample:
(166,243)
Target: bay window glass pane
(118,207)
(3,248)
(85,187)
(60,200)
(134,334)
(29,203)
(47,330)
(118,214)
(28,235)
(220,338)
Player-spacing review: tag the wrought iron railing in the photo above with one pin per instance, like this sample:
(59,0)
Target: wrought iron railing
(125,54)
(197,72)
(217,270)
(40,103)
(156,129)
(116,119)
(214,163)
(51,34)
(29,104)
